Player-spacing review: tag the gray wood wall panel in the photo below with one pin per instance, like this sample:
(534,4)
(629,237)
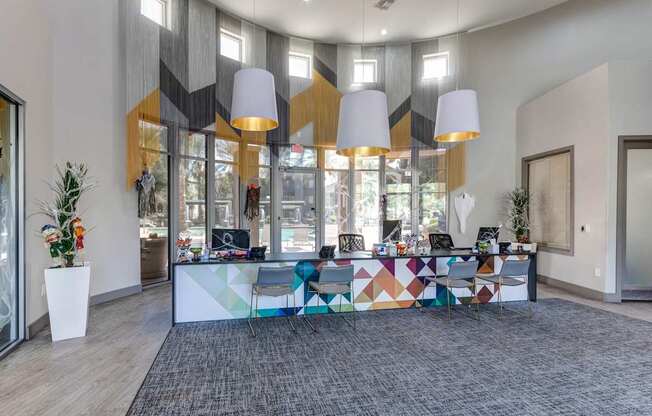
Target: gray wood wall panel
(305,47)
(346,56)
(142,53)
(225,67)
(174,42)
(202,44)
(398,75)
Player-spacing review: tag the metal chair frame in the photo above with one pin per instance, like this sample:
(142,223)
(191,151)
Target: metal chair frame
(517,276)
(318,292)
(472,284)
(254,291)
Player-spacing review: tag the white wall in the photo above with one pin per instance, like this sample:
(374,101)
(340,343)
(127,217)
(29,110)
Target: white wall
(89,126)
(25,69)
(64,59)
(575,113)
(513,63)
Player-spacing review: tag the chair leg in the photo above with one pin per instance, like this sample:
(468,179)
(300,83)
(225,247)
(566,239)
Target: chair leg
(477,301)
(251,305)
(352,306)
(448,300)
(423,294)
(500,299)
(305,314)
(287,306)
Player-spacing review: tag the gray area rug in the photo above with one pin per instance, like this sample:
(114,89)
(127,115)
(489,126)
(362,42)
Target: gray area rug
(568,360)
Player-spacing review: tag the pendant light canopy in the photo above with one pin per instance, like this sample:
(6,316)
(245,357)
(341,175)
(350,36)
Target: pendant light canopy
(254,100)
(363,128)
(457,119)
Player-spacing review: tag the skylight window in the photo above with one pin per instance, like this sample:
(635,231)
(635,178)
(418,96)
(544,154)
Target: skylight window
(435,65)
(300,65)
(364,71)
(231,45)
(155,10)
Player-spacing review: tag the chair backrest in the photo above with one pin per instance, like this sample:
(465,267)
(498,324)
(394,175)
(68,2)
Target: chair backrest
(268,276)
(515,268)
(440,241)
(336,274)
(463,269)
(351,242)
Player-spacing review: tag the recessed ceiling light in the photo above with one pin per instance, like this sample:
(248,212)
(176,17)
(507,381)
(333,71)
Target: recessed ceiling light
(383,32)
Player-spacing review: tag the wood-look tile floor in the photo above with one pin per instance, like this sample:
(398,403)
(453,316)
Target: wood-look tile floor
(96,375)
(101,373)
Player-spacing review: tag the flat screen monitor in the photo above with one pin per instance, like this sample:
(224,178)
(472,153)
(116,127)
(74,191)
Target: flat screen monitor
(391,230)
(487,233)
(230,239)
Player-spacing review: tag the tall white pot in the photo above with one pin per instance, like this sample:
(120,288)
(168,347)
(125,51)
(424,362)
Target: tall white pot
(68,291)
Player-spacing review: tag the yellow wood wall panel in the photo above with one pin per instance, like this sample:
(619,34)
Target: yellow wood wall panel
(456,161)
(148,109)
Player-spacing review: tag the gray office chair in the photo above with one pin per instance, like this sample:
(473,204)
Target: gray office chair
(510,275)
(334,280)
(274,282)
(461,274)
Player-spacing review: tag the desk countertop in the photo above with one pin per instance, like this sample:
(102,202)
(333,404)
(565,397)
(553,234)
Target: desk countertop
(357,255)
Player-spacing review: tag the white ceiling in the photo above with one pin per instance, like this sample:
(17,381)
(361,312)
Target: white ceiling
(341,20)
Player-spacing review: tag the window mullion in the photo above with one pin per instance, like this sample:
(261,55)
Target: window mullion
(210,184)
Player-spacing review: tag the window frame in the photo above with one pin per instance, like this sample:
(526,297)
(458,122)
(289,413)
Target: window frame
(525,184)
(165,4)
(239,38)
(299,55)
(375,72)
(435,56)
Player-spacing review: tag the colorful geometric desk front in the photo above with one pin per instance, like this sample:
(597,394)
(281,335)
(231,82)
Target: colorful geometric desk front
(223,291)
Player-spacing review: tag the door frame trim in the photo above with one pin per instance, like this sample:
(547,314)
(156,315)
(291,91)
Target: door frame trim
(625,143)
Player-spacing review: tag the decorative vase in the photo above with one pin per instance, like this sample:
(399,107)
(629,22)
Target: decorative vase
(68,291)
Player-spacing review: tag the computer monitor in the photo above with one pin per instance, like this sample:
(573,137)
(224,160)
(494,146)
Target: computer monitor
(391,230)
(487,233)
(230,239)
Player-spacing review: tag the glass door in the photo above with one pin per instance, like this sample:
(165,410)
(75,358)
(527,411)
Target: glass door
(298,215)
(10,331)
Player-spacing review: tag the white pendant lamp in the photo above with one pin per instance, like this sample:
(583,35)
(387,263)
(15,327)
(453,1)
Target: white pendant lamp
(253,107)
(458,118)
(363,128)
(254,100)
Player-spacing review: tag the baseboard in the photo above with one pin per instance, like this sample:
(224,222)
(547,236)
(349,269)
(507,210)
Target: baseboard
(116,294)
(44,321)
(574,289)
(38,325)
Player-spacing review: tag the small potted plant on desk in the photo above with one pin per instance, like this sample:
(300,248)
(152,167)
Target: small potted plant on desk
(518,203)
(67,282)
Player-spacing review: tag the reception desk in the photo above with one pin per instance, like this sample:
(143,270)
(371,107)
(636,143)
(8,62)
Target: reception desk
(217,290)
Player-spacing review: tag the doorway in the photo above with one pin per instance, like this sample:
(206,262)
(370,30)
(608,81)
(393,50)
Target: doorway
(634,280)
(12,297)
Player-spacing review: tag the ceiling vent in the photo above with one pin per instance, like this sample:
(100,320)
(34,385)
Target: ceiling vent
(384,4)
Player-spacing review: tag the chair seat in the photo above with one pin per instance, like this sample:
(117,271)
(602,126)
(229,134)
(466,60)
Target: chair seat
(273,290)
(506,281)
(330,288)
(457,283)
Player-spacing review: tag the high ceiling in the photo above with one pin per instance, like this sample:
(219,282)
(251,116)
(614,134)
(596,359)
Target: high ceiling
(341,20)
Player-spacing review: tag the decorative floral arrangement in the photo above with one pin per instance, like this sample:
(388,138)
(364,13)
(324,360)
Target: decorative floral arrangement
(518,203)
(64,236)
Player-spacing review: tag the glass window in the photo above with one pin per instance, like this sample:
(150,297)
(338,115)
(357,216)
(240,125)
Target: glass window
(259,172)
(226,183)
(152,136)
(192,144)
(366,201)
(549,181)
(432,191)
(300,65)
(192,199)
(155,10)
(364,71)
(298,156)
(231,45)
(398,186)
(337,196)
(435,65)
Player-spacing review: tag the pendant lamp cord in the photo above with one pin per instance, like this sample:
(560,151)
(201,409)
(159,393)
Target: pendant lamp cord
(459,49)
(253,35)
(363,30)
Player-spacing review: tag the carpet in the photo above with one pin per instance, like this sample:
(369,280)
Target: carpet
(569,359)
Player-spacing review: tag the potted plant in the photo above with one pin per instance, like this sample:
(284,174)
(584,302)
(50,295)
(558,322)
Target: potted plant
(518,203)
(67,283)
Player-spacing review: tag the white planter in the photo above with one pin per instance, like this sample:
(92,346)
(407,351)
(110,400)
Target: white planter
(68,291)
